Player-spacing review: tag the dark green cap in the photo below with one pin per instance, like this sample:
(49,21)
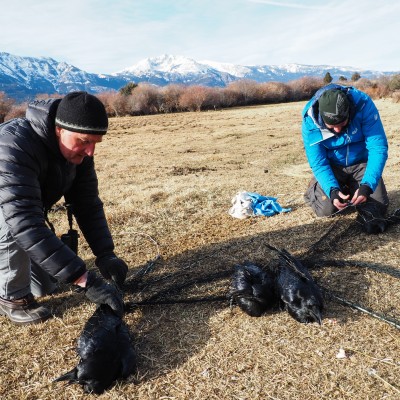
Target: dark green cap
(334,106)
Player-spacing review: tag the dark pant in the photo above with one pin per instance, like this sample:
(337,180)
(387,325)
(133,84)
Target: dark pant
(349,179)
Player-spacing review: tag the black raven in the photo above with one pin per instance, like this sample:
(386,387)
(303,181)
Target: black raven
(252,289)
(105,351)
(298,292)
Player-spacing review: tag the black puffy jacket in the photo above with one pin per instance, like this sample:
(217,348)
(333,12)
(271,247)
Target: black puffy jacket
(34,176)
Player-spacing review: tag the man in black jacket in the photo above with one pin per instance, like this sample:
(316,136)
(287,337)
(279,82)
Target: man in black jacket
(44,156)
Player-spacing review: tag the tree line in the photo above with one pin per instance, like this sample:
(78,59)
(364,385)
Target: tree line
(143,98)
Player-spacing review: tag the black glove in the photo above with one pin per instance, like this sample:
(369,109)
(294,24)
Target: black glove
(335,195)
(101,292)
(364,190)
(112,267)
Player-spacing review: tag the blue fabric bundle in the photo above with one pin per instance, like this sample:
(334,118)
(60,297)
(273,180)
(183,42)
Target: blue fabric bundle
(264,205)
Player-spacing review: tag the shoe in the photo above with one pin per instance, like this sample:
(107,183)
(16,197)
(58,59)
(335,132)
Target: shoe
(24,311)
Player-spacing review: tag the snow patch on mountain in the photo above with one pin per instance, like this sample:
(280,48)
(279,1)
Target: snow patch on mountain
(166,64)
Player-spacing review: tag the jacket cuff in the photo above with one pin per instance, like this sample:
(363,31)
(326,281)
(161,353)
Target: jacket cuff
(74,276)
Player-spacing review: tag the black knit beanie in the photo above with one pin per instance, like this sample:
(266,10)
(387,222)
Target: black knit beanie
(334,106)
(82,112)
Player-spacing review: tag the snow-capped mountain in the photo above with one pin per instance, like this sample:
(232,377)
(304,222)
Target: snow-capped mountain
(24,77)
(173,69)
(169,69)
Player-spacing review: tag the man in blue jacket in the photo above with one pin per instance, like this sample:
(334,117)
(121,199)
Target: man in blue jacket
(347,149)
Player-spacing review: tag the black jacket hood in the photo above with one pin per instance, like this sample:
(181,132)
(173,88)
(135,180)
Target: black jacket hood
(41,115)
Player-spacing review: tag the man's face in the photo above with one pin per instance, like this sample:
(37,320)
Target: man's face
(76,146)
(338,127)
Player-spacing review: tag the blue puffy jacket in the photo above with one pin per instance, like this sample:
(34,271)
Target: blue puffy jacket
(363,140)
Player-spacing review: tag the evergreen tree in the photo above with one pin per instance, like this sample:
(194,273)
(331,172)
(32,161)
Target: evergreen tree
(394,83)
(328,78)
(128,89)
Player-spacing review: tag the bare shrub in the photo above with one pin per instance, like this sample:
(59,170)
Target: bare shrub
(116,104)
(383,89)
(367,86)
(274,92)
(144,100)
(214,99)
(170,98)
(394,83)
(16,111)
(304,88)
(193,98)
(364,84)
(376,89)
(45,96)
(396,96)
(6,104)
(230,96)
(247,90)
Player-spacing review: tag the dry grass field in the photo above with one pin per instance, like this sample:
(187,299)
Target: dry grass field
(167,182)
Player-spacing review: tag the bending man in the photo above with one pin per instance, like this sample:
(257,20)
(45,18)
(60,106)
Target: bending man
(347,149)
(44,156)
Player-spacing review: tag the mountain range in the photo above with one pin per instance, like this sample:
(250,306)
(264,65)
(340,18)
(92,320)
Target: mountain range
(22,78)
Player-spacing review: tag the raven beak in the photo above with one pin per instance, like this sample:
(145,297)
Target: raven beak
(317,317)
(70,376)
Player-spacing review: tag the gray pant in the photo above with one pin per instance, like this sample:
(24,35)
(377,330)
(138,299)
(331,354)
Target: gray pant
(18,275)
(349,179)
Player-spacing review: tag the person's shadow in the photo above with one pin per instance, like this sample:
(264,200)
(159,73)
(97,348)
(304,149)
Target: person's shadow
(175,296)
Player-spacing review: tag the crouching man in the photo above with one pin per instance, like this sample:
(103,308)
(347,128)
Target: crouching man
(44,156)
(347,149)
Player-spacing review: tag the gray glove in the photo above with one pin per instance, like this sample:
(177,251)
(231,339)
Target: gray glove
(112,267)
(101,292)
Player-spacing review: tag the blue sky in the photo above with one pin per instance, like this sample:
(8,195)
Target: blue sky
(105,36)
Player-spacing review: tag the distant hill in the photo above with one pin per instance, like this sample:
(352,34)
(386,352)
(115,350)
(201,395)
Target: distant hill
(23,78)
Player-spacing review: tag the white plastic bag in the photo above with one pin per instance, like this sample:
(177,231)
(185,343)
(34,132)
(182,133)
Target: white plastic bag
(242,206)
